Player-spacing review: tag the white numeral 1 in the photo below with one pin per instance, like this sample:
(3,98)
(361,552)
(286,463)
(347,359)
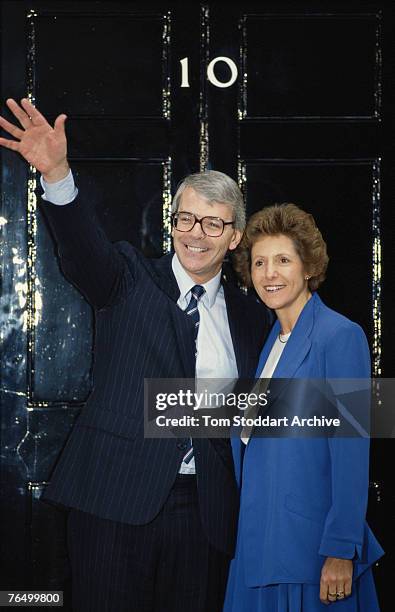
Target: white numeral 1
(184,72)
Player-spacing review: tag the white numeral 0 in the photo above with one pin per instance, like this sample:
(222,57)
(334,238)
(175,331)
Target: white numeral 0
(210,72)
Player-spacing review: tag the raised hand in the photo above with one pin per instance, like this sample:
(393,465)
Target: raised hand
(43,146)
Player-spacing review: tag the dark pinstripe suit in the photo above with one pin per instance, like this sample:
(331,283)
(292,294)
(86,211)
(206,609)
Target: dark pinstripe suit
(107,468)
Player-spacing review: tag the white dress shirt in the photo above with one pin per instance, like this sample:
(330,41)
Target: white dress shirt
(215,354)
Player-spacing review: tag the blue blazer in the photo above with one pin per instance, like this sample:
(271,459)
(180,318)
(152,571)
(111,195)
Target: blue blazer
(305,499)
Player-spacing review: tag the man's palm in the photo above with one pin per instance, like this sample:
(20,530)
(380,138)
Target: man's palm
(43,146)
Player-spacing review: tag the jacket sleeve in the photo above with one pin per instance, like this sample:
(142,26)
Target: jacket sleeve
(88,259)
(347,357)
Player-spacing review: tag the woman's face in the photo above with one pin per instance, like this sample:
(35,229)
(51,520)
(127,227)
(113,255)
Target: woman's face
(278,274)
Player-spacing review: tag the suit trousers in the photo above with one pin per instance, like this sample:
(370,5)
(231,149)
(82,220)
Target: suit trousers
(166,565)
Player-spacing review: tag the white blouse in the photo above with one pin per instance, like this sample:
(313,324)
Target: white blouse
(267,372)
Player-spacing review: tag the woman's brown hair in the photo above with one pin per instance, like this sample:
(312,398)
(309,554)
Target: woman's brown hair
(288,220)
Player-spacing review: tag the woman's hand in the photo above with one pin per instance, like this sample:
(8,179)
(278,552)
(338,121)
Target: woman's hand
(336,579)
(43,146)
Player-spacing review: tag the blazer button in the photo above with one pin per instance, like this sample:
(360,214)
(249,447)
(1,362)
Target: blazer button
(181,445)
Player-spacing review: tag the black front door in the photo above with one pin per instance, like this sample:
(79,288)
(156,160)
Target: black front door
(292,99)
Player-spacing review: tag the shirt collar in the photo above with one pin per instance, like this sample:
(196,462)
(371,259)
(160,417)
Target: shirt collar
(185,284)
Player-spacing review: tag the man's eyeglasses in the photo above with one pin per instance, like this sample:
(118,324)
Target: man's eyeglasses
(211,226)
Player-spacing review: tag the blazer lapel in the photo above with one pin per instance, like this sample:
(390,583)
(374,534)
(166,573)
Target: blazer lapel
(235,325)
(294,352)
(299,343)
(183,325)
(243,331)
(163,276)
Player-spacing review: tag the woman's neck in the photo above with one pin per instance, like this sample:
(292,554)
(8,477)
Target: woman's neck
(288,316)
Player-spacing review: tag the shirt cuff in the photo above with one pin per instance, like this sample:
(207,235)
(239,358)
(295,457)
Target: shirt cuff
(60,193)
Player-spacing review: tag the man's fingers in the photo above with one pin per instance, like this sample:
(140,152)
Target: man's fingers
(59,125)
(19,113)
(36,117)
(11,128)
(9,144)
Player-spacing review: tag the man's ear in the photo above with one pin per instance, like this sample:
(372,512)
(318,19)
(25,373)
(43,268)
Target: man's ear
(237,235)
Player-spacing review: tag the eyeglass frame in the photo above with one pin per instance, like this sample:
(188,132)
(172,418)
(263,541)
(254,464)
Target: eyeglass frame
(179,212)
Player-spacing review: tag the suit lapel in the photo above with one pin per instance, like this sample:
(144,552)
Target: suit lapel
(183,325)
(235,325)
(243,331)
(299,342)
(294,352)
(163,276)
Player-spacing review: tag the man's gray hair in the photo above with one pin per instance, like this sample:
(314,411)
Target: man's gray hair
(214,186)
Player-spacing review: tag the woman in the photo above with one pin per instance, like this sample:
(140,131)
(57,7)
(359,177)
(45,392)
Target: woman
(303,541)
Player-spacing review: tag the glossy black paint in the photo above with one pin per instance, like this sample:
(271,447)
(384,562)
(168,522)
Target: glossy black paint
(311,123)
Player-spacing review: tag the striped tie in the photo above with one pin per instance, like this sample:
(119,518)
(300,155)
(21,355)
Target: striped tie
(192,311)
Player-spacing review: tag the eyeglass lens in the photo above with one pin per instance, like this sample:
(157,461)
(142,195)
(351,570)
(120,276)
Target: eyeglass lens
(210,225)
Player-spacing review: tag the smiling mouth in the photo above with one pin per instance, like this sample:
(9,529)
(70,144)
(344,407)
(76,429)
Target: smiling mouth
(194,249)
(274,288)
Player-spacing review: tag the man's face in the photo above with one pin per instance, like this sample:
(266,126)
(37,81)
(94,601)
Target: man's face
(201,256)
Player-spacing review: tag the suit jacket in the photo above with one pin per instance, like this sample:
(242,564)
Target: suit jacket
(305,499)
(108,468)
